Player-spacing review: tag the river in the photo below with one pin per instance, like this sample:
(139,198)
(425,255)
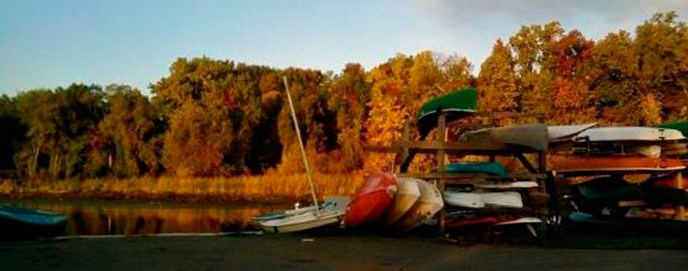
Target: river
(122,217)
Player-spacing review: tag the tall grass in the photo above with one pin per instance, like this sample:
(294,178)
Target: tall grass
(270,188)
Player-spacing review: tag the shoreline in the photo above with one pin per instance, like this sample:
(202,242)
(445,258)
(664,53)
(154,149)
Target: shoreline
(319,252)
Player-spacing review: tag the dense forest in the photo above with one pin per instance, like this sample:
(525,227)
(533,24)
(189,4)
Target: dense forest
(221,118)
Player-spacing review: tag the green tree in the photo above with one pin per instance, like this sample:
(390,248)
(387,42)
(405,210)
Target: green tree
(13,132)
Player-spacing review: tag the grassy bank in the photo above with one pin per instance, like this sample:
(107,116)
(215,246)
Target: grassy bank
(268,189)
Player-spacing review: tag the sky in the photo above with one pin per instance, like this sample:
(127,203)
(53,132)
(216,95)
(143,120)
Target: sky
(53,43)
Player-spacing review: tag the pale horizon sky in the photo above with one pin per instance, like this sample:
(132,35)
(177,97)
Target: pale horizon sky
(52,43)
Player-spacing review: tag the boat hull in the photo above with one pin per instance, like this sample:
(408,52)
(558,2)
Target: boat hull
(509,199)
(372,200)
(408,193)
(22,223)
(629,133)
(302,222)
(463,199)
(559,133)
(533,136)
(591,164)
(429,203)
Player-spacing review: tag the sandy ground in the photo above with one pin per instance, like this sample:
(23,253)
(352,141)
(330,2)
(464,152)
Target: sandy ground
(304,252)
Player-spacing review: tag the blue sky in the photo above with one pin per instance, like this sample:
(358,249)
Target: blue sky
(51,43)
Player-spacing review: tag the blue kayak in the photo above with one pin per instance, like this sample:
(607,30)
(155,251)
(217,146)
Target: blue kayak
(23,223)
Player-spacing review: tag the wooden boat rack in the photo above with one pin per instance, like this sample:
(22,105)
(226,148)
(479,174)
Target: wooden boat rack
(407,149)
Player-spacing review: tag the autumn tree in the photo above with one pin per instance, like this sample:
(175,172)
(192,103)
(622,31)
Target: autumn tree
(532,48)
(614,79)
(309,92)
(348,98)
(213,108)
(571,67)
(497,89)
(127,142)
(661,46)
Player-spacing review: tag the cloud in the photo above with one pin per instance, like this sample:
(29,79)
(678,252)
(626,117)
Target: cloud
(458,14)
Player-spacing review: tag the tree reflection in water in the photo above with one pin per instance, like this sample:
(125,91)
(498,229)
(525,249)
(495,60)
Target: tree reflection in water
(122,217)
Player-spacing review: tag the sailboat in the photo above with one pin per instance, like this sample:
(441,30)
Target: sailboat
(314,217)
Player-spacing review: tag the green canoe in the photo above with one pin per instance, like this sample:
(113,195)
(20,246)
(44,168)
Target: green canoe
(455,105)
(682,126)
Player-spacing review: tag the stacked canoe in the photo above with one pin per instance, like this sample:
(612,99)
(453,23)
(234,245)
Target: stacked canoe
(610,155)
(485,202)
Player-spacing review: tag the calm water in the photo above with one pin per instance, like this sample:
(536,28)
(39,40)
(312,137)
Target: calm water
(130,218)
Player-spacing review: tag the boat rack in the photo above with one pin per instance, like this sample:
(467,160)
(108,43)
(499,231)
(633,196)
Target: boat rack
(406,149)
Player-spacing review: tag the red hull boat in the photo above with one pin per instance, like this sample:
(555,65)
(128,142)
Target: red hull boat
(565,163)
(372,200)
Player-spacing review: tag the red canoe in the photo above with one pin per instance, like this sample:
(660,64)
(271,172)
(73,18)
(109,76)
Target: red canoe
(565,163)
(471,223)
(376,195)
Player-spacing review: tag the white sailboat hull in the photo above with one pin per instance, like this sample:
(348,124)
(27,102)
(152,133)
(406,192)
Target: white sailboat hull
(407,195)
(429,203)
(301,222)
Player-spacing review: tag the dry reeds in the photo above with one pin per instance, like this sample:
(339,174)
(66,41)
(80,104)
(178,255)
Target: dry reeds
(269,188)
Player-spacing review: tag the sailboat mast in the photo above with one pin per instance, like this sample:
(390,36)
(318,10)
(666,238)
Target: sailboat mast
(303,150)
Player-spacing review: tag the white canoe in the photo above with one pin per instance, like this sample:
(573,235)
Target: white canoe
(429,203)
(407,194)
(463,199)
(304,221)
(506,185)
(529,135)
(566,132)
(510,199)
(522,220)
(629,133)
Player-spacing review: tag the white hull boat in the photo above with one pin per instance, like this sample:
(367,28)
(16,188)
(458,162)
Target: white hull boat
(407,195)
(507,185)
(559,133)
(330,203)
(629,133)
(464,199)
(429,203)
(510,199)
(304,221)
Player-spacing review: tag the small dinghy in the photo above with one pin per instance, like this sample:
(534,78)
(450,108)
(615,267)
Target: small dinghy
(23,223)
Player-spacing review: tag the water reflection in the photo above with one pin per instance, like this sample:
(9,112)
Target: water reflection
(121,217)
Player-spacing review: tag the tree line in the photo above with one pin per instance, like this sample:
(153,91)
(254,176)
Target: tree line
(211,117)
